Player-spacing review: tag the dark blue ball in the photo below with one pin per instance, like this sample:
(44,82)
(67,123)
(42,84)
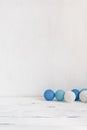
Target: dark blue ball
(77,92)
(49,95)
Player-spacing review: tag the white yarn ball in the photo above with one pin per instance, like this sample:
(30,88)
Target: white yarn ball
(83,96)
(69,96)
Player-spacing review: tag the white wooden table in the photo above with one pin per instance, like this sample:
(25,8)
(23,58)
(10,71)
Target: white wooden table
(27,113)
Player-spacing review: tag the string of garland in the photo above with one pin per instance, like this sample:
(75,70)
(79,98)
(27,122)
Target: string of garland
(67,96)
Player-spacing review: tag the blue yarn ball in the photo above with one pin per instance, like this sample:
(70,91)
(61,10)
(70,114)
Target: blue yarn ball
(49,95)
(77,92)
(84,89)
(59,95)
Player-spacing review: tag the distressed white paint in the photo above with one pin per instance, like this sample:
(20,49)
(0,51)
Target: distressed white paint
(35,113)
(26,46)
(43,44)
(70,62)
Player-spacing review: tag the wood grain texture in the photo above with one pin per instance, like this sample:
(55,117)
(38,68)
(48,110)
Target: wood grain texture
(22,113)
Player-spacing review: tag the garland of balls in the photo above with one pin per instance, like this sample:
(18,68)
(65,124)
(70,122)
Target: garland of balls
(67,96)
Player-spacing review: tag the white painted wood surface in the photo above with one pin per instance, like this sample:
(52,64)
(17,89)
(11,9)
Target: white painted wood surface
(27,113)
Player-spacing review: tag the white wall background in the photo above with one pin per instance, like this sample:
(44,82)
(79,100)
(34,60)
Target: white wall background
(43,44)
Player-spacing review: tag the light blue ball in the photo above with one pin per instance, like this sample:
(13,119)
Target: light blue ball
(49,95)
(60,95)
(84,89)
(77,92)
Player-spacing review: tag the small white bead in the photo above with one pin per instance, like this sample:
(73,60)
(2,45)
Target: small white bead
(83,96)
(69,96)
